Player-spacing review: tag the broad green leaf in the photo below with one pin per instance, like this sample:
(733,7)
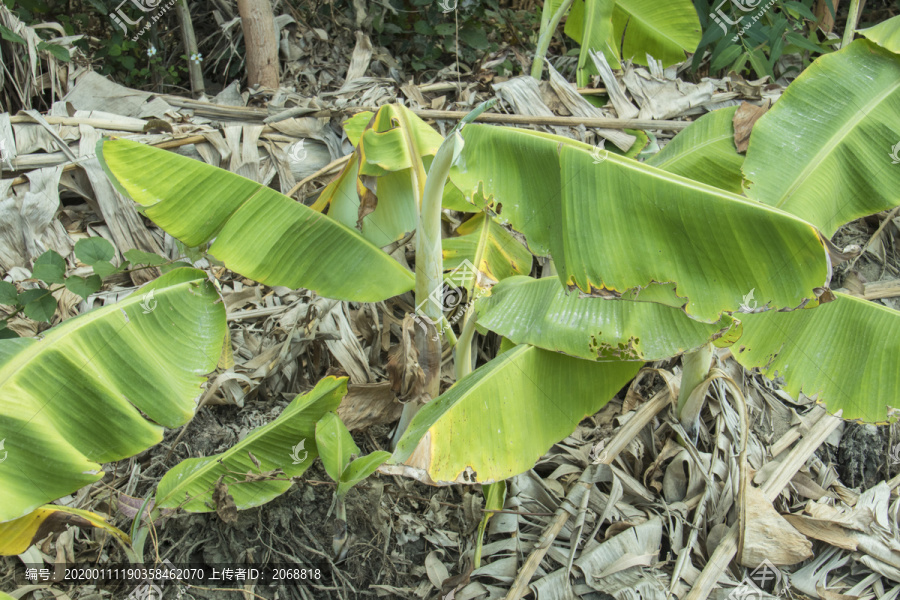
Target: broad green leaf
(9,35)
(359,469)
(17,535)
(846,351)
(8,293)
(355,125)
(503,256)
(886,34)
(287,443)
(50,267)
(100,387)
(84,286)
(664,30)
(625,229)
(590,24)
(335,444)
(540,312)
(93,250)
(139,257)
(258,232)
(705,152)
(823,151)
(38,304)
(498,420)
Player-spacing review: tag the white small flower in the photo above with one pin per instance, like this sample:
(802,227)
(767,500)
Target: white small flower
(151,51)
(197,58)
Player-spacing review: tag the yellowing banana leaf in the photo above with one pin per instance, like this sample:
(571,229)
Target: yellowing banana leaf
(498,420)
(288,443)
(624,229)
(664,30)
(77,397)
(540,312)
(503,256)
(17,535)
(378,190)
(824,151)
(846,351)
(258,232)
(705,152)
(886,34)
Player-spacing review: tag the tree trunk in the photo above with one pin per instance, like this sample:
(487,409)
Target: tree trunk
(258,24)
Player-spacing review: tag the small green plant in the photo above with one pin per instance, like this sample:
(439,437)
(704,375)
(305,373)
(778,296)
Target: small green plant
(750,36)
(337,450)
(39,303)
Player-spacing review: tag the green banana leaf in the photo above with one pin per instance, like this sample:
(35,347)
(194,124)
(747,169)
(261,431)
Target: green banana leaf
(258,232)
(705,152)
(846,351)
(823,151)
(886,34)
(503,256)
(625,229)
(664,30)
(79,396)
(542,313)
(498,420)
(383,171)
(287,443)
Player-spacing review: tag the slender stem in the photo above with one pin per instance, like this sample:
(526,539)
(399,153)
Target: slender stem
(537,65)
(852,19)
(463,361)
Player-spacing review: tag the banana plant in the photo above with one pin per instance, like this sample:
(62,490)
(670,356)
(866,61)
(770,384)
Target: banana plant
(650,261)
(101,387)
(629,29)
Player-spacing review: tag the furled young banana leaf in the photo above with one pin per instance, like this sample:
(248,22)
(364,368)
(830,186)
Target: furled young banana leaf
(502,255)
(705,152)
(257,232)
(288,443)
(498,420)
(847,352)
(631,29)
(542,313)
(824,151)
(378,191)
(100,387)
(624,229)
